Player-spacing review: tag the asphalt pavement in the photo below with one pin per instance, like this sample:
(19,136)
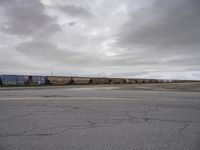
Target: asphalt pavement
(100,118)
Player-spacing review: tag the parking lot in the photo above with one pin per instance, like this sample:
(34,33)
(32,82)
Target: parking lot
(123,117)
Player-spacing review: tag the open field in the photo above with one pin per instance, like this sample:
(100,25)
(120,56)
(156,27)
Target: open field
(101,117)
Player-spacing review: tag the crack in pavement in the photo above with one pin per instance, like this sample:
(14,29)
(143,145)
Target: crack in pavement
(69,108)
(25,115)
(17,117)
(36,134)
(149,109)
(56,96)
(92,124)
(89,109)
(126,118)
(184,127)
(146,119)
(68,128)
(131,119)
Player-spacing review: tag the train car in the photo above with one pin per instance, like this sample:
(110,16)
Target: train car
(81,80)
(174,81)
(12,79)
(58,80)
(146,81)
(34,80)
(38,80)
(127,81)
(117,81)
(9,79)
(132,81)
(100,81)
(169,81)
(140,81)
(153,81)
(165,81)
(160,81)
(0,81)
(20,79)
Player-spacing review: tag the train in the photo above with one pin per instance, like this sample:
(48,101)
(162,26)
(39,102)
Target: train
(31,80)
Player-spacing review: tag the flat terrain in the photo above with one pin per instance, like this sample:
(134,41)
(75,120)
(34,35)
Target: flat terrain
(104,117)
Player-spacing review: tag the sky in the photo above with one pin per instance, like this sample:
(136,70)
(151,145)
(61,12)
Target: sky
(110,38)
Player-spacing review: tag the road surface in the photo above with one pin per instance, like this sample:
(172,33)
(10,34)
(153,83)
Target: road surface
(115,117)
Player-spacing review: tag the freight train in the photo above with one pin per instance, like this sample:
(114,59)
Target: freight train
(17,80)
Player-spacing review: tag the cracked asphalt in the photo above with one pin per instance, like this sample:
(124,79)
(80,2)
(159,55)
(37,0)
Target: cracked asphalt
(115,117)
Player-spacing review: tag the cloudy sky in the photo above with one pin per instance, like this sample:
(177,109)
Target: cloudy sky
(129,38)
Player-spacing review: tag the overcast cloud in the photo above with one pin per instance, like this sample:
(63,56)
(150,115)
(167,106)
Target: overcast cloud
(130,38)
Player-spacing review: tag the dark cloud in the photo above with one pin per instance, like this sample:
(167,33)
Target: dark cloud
(75,11)
(164,25)
(26,17)
(72,23)
(44,50)
(164,36)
